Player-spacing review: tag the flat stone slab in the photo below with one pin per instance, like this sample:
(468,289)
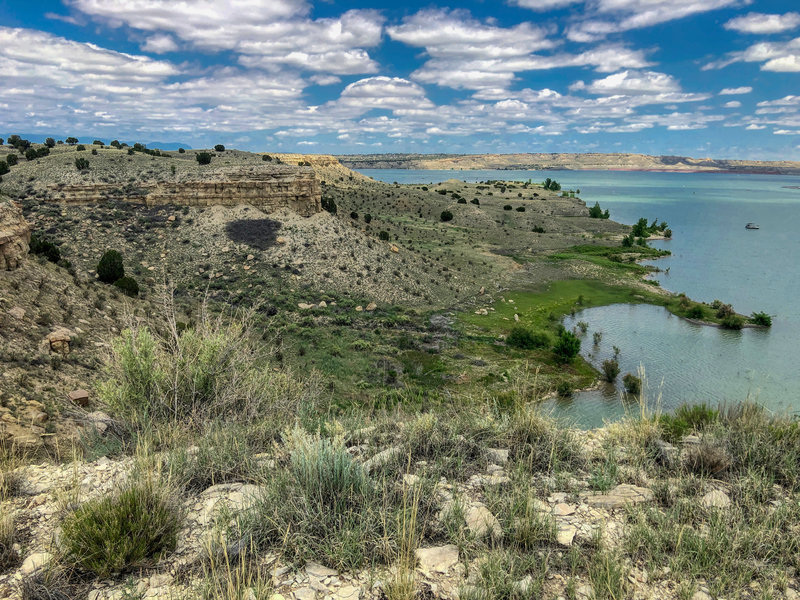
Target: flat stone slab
(437,559)
(621,495)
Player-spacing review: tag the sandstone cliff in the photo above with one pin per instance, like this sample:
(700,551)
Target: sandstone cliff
(15,234)
(269,188)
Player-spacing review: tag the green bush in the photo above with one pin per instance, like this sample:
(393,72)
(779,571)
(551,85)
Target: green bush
(521,337)
(520,209)
(181,151)
(695,312)
(734,322)
(610,370)
(367,218)
(80,148)
(633,385)
(354,215)
(110,267)
(685,419)
(219,148)
(329,204)
(45,248)
(82,164)
(384,235)
(4,168)
(130,529)
(203,158)
(541,444)
(446,216)
(595,212)
(462,201)
(567,346)
(475,201)
(759,318)
(128,285)
(508,207)
(12,159)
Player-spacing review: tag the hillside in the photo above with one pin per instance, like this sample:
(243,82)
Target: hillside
(583,161)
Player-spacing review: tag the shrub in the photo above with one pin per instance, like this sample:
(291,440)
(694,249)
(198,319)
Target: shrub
(521,337)
(181,151)
(475,201)
(129,529)
(44,247)
(724,310)
(110,267)
(31,154)
(462,201)
(219,148)
(4,168)
(328,502)
(80,148)
(446,216)
(329,204)
(759,318)
(610,370)
(707,459)
(685,419)
(384,236)
(695,312)
(541,444)
(354,215)
(734,322)
(82,164)
(633,385)
(71,141)
(567,346)
(8,555)
(128,285)
(520,209)
(12,159)
(203,158)
(367,218)
(668,233)
(94,151)
(508,207)
(50,142)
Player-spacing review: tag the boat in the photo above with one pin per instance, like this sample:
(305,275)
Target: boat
(751,226)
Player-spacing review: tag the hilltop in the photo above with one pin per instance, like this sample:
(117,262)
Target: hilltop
(582,161)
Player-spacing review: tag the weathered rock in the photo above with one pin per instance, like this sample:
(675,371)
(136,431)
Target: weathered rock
(58,341)
(562,510)
(17,312)
(439,559)
(236,497)
(566,534)
(79,397)
(715,499)
(481,522)
(269,188)
(620,496)
(382,457)
(371,306)
(15,235)
(35,562)
(99,420)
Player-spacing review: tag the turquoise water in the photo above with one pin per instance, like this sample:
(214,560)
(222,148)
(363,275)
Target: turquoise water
(713,256)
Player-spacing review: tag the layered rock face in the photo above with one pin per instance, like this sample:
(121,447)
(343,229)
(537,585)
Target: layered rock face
(269,188)
(15,235)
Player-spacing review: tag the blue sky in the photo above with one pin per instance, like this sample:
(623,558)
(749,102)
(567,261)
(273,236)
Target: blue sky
(714,78)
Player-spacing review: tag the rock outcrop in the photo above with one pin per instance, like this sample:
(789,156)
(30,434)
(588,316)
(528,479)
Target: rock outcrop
(268,188)
(15,235)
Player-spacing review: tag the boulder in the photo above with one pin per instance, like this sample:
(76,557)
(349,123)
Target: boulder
(371,306)
(79,397)
(439,559)
(35,562)
(58,341)
(15,235)
(715,499)
(620,496)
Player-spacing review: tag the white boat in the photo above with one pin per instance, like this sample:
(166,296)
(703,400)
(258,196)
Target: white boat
(751,226)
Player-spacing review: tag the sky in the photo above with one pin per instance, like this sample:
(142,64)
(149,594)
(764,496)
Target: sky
(703,78)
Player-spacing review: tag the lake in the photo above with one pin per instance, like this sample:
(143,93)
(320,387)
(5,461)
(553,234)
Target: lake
(713,256)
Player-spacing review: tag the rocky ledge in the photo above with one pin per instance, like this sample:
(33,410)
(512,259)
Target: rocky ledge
(15,235)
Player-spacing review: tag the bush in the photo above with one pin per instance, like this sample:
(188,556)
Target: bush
(475,201)
(446,216)
(203,158)
(110,267)
(8,554)
(508,207)
(80,148)
(367,218)
(129,529)
(219,148)
(128,285)
(94,151)
(462,201)
(724,310)
(521,337)
(50,142)
(329,204)
(354,215)
(610,370)
(695,312)
(759,318)
(520,209)
(4,168)
(595,212)
(706,459)
(734,322)
(384,236)
(31,154)
(567,346)
(45,248)
(71,141)
(685,419)
(12,159)
(633,385)
(82,164)
(541,444)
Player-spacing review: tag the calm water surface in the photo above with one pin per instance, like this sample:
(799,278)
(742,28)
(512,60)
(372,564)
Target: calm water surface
(713,256)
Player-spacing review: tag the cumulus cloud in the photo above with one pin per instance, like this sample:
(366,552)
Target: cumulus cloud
(159,44)
(543,5)
(746,89)
(611,16)
(764,23)
(268,34)
(774,56)
(732,104)
(632,83)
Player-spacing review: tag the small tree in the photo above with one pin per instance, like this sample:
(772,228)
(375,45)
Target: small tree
(50,143)
(72,141)
(367,218)
(80,148)
(633,385)
(446,216)
(567,346)
(4,167)
(354,215)
(181,151)
(203,158)
(219,148)
(12,159)
(759,318)
(98,143)
(31,154)
(384,236)
(329,204)
(610,370)
(128,285)
(82,164)
(115,144)
(508,207)
(110,267)
(521,337)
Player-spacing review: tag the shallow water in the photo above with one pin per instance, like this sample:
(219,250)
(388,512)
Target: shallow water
(713,256)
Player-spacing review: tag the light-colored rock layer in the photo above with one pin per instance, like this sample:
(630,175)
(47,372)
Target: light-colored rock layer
(269,188)
(15,235)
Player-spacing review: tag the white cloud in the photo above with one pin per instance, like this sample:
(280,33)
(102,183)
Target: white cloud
(543,5)
(775,56)
(754,127)
(632,83)
(268,34)
(732,104)
(611,16)
(764,23)
(735,91)
(159,44)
